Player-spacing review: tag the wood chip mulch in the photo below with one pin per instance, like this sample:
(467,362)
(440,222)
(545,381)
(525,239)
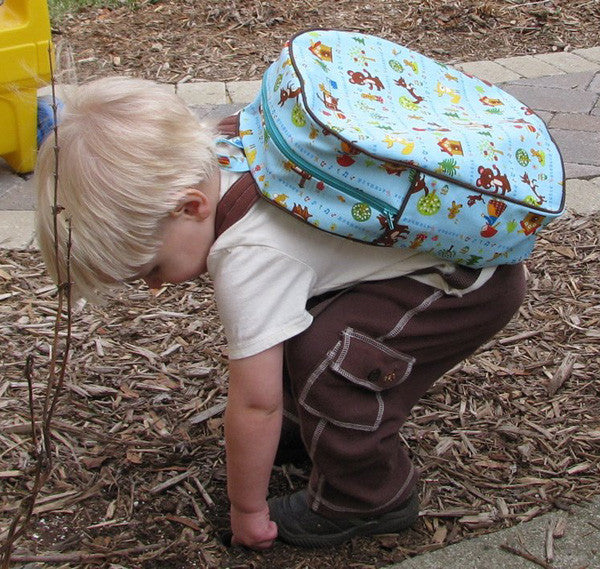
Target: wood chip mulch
(225,40)
(139,476)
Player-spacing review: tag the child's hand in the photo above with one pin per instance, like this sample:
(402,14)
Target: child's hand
(254,530)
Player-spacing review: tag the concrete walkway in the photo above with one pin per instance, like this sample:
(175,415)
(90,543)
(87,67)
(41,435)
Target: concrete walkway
(564,89)
(571,540)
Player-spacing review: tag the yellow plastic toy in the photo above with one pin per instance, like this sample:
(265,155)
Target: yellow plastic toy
(24,66)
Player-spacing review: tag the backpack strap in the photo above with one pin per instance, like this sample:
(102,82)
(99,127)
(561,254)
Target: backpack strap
(242,194)
(236,202)
(229,126)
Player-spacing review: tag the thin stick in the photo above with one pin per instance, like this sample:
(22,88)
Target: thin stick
(66,292)
(56,209)
(527,555)
(205,495)
(81,557)
(549,546)
(43,463)
(29,377)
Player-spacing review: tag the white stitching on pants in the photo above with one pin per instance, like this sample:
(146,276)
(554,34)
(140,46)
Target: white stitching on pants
(407,317)
(350,333)
(316,436)
(293,418)
(393,499)
(317,497)
(400,325)
(318,371)
(314,376)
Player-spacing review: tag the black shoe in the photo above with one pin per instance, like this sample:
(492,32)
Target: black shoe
(297,524)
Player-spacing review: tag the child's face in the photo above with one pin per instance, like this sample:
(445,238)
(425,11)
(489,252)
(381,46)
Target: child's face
(186,235)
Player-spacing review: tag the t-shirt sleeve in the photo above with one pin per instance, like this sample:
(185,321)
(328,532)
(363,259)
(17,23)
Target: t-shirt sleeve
(261,295)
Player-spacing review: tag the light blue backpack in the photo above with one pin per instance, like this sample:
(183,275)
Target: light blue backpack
(369,140)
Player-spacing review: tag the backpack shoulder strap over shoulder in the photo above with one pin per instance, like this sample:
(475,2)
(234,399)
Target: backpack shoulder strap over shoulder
(229,126)
(236,202)
(242,194)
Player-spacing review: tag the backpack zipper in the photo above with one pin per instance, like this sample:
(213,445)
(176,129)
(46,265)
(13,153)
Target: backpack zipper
(291,155)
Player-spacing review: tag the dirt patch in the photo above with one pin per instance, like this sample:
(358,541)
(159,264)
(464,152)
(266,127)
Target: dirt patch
(139,477)
(185,40)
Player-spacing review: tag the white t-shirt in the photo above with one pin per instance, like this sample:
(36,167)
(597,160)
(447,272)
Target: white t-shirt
(267,265)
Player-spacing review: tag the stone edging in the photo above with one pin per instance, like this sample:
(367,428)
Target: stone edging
(496,71)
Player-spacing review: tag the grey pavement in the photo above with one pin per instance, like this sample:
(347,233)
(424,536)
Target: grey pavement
(564,89)
(558,540)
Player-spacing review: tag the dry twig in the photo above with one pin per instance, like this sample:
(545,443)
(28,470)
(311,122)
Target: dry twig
(527,555)
(43,452)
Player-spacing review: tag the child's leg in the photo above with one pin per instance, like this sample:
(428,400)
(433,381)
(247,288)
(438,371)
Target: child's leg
(365,361)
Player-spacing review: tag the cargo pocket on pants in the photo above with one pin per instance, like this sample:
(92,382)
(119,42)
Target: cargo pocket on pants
(347,388)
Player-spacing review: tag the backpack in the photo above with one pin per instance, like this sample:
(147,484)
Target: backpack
(366,139)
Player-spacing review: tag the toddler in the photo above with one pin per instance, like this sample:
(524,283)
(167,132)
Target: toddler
(331,342)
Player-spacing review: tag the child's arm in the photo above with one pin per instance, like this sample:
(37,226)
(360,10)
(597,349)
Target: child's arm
(252,429)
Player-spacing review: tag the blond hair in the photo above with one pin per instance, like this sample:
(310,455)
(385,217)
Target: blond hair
(127,150)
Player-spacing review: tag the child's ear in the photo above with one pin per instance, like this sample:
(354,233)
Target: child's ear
(193,203)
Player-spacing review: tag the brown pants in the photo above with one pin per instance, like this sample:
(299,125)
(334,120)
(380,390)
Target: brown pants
(369,356)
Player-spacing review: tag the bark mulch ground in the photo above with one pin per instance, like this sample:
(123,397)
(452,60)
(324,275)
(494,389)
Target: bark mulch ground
(226,40)
(139,477)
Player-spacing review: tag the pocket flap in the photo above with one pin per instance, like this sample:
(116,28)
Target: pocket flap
(370,363)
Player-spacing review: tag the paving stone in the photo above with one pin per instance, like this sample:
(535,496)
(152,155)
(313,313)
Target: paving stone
(577,548)
(564,81)
(243,91)
(15,192)
(17,229)
(583,196)
(488,71)
(583,171)
(203,93)
(557,100)
(214,113)
(578,147)
(591,53)
(594,86)
(546,116)
(575,121)
(567,61)
(528,66)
